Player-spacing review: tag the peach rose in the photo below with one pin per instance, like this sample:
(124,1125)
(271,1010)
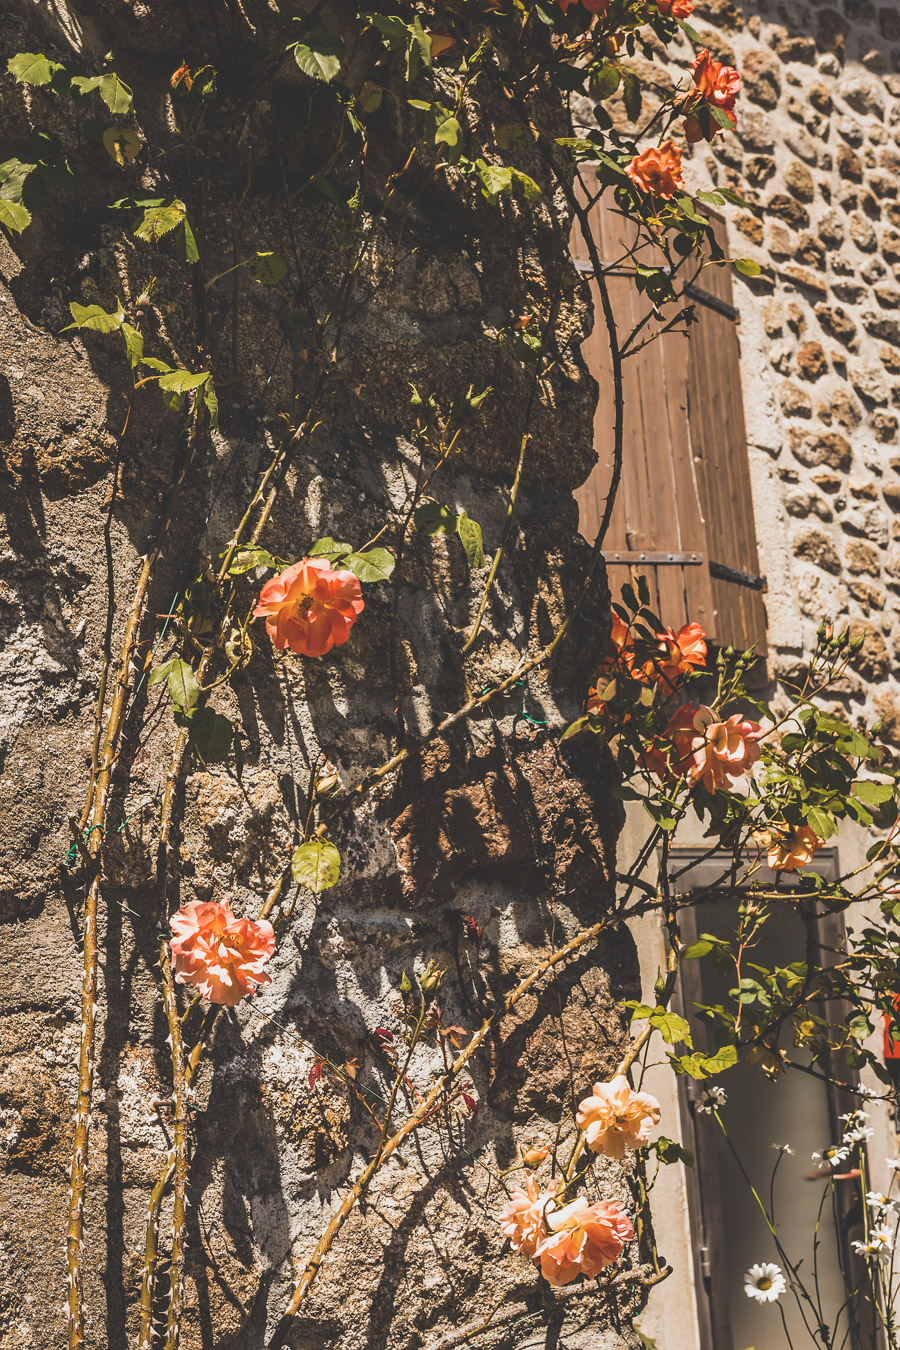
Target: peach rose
(657,171)
(679,9)
(310,607)
(616,1117)
(796,849)
(720,750)
(583,1240)
(221,956)
(679,653)
(522,1220)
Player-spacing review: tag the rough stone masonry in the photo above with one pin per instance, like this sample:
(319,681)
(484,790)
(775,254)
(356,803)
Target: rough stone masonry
(498,822)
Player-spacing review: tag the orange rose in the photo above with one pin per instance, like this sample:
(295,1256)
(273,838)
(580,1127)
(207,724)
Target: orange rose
(619,664)
(221,956)
(592,6)
(679,9)
(658,171)
(679,653)
(310,607)
(717,84)
(788,852)
(583,1240)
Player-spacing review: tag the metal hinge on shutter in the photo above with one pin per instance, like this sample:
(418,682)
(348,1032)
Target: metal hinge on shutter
(749,579)
(712,302)
(645,557)
(705,1263)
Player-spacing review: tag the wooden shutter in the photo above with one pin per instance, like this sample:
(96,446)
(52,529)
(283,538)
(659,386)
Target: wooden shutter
(684,513)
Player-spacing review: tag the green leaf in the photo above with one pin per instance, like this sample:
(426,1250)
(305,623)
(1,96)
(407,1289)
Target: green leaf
(159,218)
(435,518)
(735,198)
(873,794)
(186,249)
(711,198)
(210,734)
(705,1066)
(134,345)
(747,266)
(669,1151)
(181,381)
(208,394)
(246,559)
(820,822)
(696,950)
(115,94)
(316,865)
(95,318)
(30,68)
(155,364)
(269,268)
(605,81)
(448,133)
(530,189)
(470,535)
(376,564)
(318,64)
(671,1027)
(184,690)
(632,95)
(576,728)
(14,216)
(329,548)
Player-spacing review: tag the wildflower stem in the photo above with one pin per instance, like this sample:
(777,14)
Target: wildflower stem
(99,803)
(507,525)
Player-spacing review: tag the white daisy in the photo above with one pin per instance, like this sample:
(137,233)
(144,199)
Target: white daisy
(710,1099)
(881,1240)
(857,1136)
(765,1283)
(784,1148)
(878,1201)
(855,1117)
(893,1164)
(837,1153)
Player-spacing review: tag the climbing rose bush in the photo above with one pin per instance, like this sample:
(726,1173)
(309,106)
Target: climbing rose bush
(616,1117)
(310,607)
(220,955)
(657,171)
(583,1240)
(679,654)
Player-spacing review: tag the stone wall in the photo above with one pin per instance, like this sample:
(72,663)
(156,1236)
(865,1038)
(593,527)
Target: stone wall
(817,151)
(498,822)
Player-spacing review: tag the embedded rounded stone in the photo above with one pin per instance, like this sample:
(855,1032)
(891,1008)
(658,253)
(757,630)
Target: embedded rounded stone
(826,447)
(816,547)
(819,96)
(788,210)
(849,164)
(862,232)
(837,322)
(884,425)
(761,78)
(870,382)
(862,559)
(863,95)
(800,181)
(845,410)
(795,402)
(811,360)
